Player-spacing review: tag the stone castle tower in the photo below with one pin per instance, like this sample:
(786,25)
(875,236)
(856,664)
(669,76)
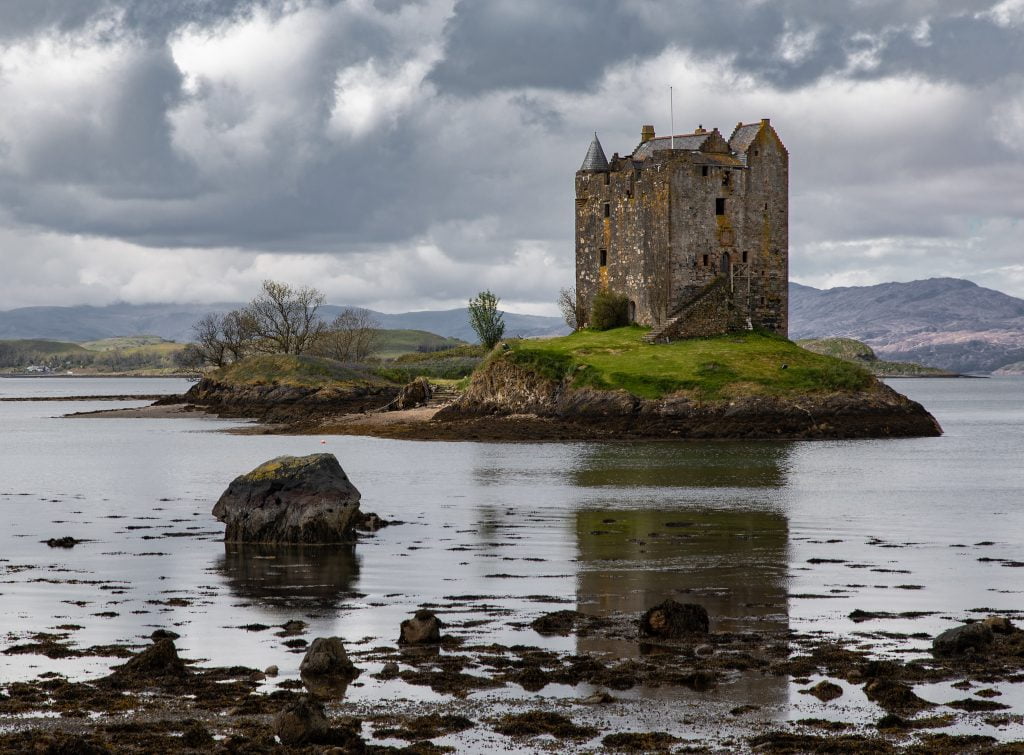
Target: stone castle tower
(693,230)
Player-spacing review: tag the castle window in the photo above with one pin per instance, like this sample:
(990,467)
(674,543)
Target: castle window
(744,256)
(705,260)
(762,301)
(720,206)
(766,205)
(725,178)
(607,178)
(607,209)
(704,170)
(603,257)
(756,153)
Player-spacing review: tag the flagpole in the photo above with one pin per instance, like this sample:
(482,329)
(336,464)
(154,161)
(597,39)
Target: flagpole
(672,118)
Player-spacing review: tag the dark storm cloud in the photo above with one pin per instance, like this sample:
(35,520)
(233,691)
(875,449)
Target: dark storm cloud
(454,128)
(569,44)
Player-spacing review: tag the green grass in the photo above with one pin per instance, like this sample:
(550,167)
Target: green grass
(394,343)
(131,344)
(293,371)
(450,364)
(43,347)
(730,366)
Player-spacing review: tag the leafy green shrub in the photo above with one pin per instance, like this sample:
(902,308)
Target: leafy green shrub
(609,311)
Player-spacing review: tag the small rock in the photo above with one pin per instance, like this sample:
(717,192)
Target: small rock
(557,622)
(389,671)
(672,619)
(999,624)
(416,393)
(327,657)
(598,698)
(158,662)
(62,542)
(295,626)
(704,651)
(302,722)
(963,639)
(257,676)
(164,634)
(370,522)
(271,670)
(424,628)
(824,691)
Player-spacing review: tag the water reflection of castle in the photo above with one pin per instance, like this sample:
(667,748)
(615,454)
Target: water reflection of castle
(704,527)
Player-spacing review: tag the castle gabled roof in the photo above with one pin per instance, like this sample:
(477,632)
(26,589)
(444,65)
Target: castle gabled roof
(595,159)
(744,136)
(685,141)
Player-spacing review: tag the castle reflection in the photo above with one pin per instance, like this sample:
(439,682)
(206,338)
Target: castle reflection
(287,576)
(706,528)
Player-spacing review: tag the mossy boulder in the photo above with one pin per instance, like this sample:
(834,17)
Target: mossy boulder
(290,499)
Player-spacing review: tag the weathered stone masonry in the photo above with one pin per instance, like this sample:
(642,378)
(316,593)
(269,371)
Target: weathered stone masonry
(695,234)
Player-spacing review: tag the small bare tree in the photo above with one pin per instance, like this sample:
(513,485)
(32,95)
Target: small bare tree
(573,312)
(351,337)
(237,329)
(284,319)
(209,340)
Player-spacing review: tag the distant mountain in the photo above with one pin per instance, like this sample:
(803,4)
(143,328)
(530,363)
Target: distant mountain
(174,321)
(941,322)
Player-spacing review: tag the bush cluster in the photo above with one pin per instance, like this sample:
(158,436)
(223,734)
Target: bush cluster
(609,311)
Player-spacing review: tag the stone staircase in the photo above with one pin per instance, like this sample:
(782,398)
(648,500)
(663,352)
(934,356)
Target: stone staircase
(657,333)
(707,311)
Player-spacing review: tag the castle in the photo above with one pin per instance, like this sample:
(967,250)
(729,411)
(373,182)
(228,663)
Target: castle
(693,230)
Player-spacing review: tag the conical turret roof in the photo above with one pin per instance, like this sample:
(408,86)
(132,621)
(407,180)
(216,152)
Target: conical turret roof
(595,159)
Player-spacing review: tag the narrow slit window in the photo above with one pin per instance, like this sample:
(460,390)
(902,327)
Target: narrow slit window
(607,178)
(704,170)
(720,206)
(603,257)
(607,209)
(725,178)
(744,256)
(705,260)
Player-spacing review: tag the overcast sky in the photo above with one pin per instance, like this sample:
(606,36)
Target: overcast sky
(406,154)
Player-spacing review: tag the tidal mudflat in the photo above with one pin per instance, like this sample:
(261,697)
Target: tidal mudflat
(826,568)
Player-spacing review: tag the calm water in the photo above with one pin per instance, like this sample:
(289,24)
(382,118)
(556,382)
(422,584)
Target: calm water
(609,528)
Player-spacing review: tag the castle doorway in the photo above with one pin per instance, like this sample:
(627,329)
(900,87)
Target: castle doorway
(632,311)
(726,262)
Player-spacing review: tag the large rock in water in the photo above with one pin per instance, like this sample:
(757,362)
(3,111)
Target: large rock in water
(290,499)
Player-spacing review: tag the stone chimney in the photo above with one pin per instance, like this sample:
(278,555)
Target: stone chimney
(646,133)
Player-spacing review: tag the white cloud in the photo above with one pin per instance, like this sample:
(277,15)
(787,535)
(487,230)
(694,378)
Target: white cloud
(796,45)
(1007,13)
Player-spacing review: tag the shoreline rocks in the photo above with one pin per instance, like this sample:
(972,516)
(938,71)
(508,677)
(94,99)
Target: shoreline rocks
(505,393)
(290,499)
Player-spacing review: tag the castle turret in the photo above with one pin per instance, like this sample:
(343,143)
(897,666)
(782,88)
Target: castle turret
(595,159)
(646,133)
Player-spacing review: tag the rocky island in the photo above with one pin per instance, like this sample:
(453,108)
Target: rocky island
(599,385)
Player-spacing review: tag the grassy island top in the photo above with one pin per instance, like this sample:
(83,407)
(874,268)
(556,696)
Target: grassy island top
(730,366)
(294,372)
